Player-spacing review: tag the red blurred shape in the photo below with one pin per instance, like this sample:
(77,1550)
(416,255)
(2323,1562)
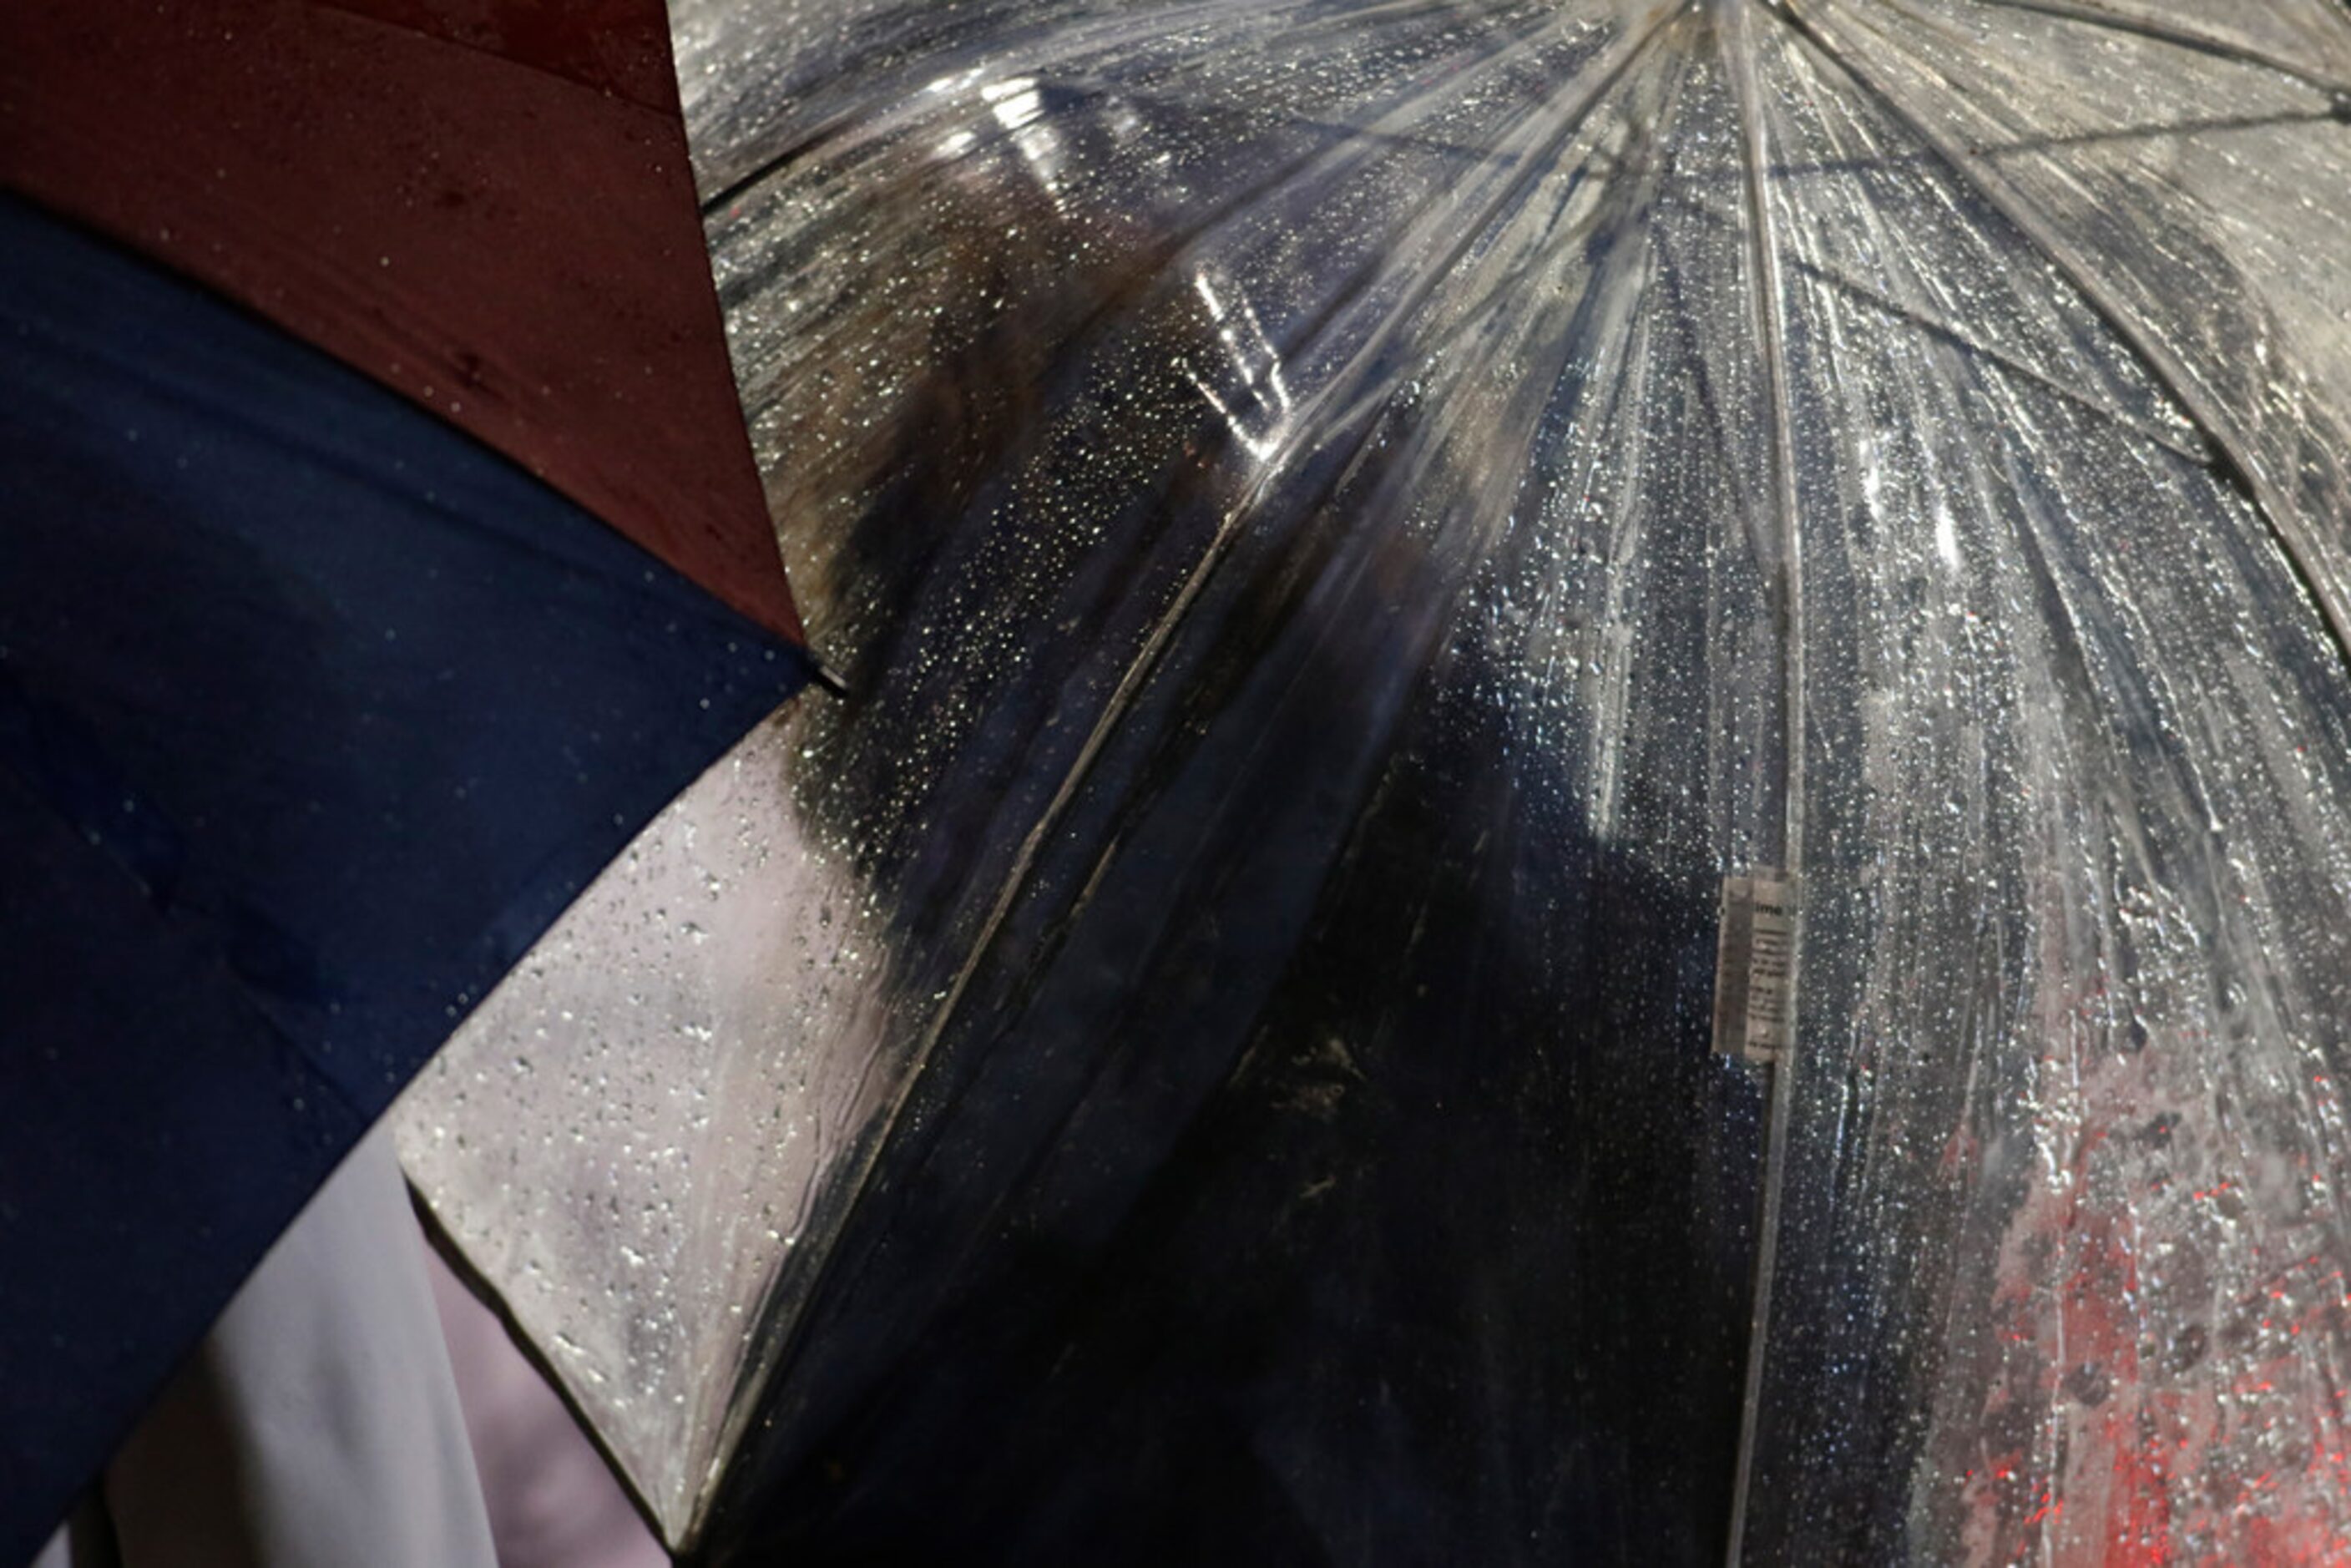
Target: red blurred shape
(484,203)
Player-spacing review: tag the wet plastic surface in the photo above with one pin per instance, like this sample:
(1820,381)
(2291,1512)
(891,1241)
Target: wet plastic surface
(1330,515)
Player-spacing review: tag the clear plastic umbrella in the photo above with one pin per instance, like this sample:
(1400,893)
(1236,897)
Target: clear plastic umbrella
(1381,554)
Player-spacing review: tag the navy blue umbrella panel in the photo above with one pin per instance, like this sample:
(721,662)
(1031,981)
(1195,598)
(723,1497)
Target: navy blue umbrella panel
(314,713)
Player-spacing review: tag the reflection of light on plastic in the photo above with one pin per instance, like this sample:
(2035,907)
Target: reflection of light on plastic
(1258,368)
(1016,101)
(1020,110)
(956,145)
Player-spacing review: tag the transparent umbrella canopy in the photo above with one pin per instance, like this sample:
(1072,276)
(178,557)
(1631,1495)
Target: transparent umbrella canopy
(1379,555)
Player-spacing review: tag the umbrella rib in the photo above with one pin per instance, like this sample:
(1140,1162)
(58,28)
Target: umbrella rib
(2177,127)
(2179,36)
(2229,461)
(1957,337)
(2199,455)
(1770,329)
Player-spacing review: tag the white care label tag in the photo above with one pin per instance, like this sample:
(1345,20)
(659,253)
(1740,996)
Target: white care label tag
(1755,965)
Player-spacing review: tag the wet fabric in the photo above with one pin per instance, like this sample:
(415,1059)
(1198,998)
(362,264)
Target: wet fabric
(313,714)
